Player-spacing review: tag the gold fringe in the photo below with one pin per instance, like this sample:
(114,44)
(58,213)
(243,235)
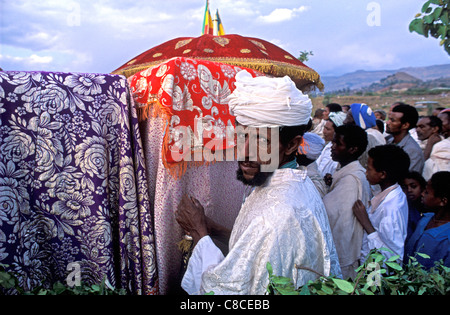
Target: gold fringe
(185,245)
(302,76)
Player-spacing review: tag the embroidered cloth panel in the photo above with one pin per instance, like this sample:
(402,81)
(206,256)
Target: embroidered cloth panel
(73,186)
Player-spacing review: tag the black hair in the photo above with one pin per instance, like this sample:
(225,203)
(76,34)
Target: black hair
(445,113)
(391,159)
(418,177)
(287,133)
(382,112)
(435,122)
(440,181)
(410,114)
(354,136)
(380,125)
(334,107)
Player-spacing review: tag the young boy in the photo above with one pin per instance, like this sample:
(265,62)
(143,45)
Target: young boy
(432,235)
(349,184)
(386,220)
(413,186)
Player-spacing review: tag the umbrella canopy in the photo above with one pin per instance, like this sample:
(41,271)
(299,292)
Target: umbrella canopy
(234,50)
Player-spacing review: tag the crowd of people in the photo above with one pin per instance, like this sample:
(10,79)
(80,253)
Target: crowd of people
(349,180)
(377,187)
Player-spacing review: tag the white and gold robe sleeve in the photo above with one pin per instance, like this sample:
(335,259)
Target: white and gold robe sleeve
(284,223)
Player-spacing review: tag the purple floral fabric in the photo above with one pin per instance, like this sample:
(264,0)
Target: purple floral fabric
(73,185)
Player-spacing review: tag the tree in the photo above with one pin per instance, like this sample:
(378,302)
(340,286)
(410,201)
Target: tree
(304,55)
(434,21)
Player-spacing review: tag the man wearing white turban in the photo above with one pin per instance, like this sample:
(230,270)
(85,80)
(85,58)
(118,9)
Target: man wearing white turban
(283,221)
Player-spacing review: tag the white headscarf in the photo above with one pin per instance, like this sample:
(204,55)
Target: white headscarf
(337,118)
(268,102)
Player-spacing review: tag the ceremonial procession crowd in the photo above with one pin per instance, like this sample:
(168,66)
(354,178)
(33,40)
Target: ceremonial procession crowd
(349,180)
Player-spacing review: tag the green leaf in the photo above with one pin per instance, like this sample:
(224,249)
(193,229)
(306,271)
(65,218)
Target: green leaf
(287,291)
(394,265)
(305,290)
(281,280)
(327,290)
(426,6)
(429,19)
(343,285)
(269,269)
(423,255)
(442,31)
(437,13)
(6,280)
(393,258)
(445,18)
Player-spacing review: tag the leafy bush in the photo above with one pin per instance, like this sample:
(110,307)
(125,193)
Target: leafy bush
(8,282)
(377,276)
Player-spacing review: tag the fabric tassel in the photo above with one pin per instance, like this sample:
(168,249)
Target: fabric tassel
(185,245)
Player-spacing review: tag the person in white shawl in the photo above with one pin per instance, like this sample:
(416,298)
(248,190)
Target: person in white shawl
(282,222)
(439,159)
(325,163)
(349,184)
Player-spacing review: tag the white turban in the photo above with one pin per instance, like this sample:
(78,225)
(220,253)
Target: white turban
(313,145)
(268,102)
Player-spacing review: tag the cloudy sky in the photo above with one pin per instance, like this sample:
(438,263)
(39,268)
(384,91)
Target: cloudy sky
(101,35)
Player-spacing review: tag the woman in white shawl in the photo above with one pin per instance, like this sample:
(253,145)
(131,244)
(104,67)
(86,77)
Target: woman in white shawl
(324,162)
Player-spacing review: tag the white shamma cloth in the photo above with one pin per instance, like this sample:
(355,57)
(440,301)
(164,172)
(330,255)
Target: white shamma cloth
(283,222)
(268,102)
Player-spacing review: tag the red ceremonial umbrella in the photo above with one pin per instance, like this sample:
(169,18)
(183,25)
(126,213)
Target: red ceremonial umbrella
(234,50)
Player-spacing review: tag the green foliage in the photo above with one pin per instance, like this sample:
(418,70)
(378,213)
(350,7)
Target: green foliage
(8,281)
(377,276)
(304,55)
(434,21)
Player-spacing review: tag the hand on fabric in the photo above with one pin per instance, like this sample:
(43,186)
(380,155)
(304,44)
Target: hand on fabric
(191,217)
(359,210)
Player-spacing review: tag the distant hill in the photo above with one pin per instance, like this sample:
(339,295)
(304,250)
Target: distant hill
(398,81)
(362,79)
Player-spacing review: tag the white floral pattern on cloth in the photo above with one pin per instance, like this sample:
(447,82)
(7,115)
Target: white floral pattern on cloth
(193,97)
(73,185)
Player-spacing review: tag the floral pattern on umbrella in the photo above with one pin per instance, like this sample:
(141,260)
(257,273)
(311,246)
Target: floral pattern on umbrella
(236,50)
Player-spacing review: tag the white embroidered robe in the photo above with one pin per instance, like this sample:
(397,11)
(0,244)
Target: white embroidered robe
(283,222)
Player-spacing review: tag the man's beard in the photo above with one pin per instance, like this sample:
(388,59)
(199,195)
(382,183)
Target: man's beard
(258,180)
